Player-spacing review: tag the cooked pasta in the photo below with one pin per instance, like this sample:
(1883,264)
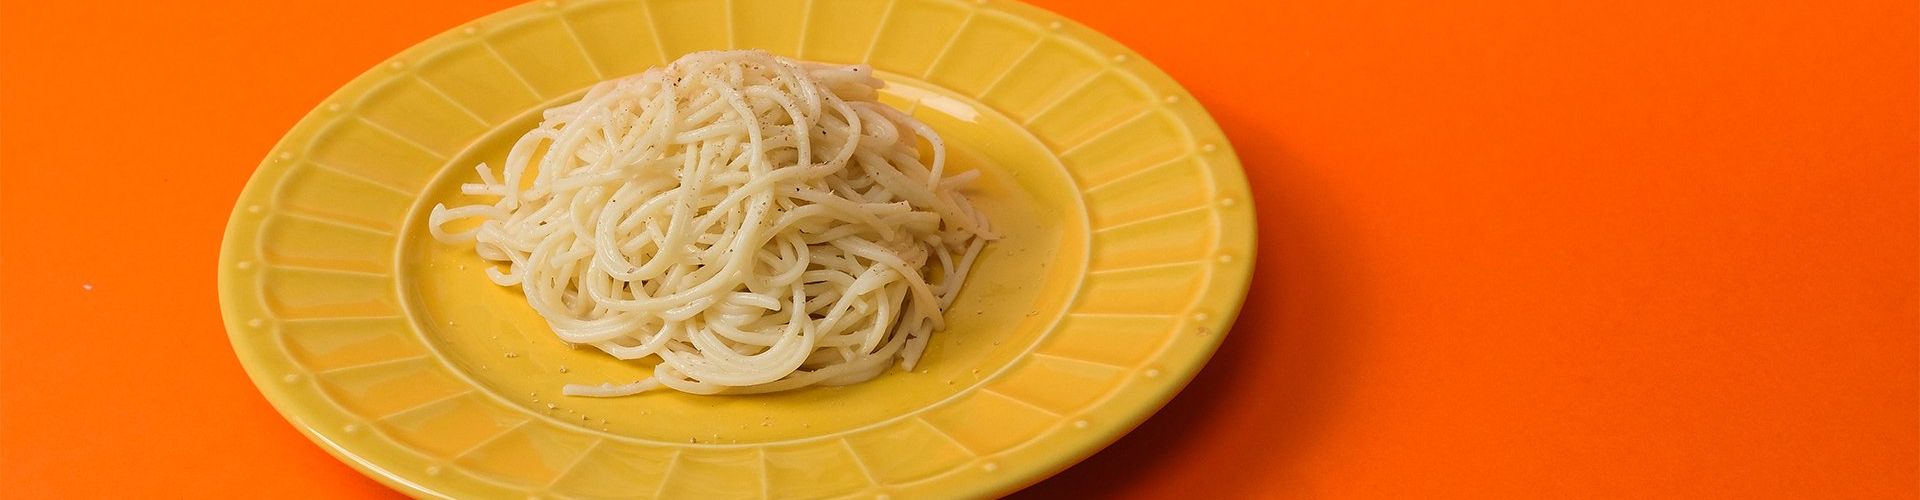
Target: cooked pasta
(757,224)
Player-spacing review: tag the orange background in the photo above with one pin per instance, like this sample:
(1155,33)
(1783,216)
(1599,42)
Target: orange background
(1522,249)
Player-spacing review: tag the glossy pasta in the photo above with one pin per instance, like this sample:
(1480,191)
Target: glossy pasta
(756,223)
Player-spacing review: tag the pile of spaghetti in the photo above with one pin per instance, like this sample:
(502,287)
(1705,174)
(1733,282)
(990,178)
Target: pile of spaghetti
(758,224)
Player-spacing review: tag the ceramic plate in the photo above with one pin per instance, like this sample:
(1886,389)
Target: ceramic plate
(1128,246)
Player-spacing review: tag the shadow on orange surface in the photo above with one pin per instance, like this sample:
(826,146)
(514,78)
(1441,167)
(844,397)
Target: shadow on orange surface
(1278,370)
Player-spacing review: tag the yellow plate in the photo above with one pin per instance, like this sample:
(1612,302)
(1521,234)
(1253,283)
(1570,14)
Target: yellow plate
(1129,243)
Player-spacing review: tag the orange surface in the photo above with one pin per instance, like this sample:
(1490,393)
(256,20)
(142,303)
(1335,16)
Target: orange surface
(1509,249)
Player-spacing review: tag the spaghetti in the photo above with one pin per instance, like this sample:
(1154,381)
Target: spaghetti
(757,224)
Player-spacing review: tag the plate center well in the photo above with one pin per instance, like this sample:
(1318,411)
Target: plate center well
(1016,293)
